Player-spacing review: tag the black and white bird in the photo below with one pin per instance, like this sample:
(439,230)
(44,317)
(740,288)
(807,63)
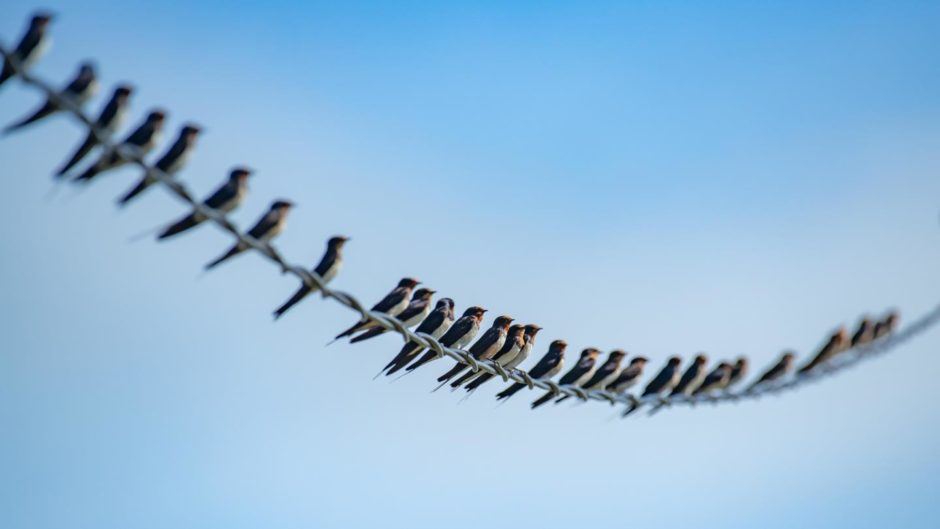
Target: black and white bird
(717,379)
(392,304)
(576,376)
(32,46)
(139,143)
(329,265)
(864,334)
(515,341)
(738,371)
(462,332)
(628,376)
(664,381)
(436,324)
(692,377)
(604,375)
(265,230)
(225,199)
(836,343)
(547,367)
(81,88)
(418,308)
(170,163)
(775,372)
(483,349)
(109,120)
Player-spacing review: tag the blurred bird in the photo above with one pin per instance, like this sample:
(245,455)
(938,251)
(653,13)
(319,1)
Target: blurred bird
(738,371)
(834,345)
(717,379)
(82,88)
(266,229)
(392,304)
(528,342)
(414,313)
(513,344)
(225,199)
(327,268)
(692,377)
(604,375)
(775,372)
(546,368)
(31,47)
(483,349)
(110,119)
(664,381)
(436,324)
(576,376)
(863,334)
(140,142)
(629,376)
(458,335)
(886,326)
(170,163)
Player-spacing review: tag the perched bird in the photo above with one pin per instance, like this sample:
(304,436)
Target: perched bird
(775,372)
(864,334)
(513,344)
(82,88)
(267,228)
(629,376)
(414,313)
(664,381)
(225,199)
(528,342)
(139,142)
(483,349)
(462,332)
(31,47)
(738,371)
(692,377)
(392,304)
(576,376)
(327,268)
(436,324)
(109,120)
(546,368)
(170,163)
(717,379)
(604,375)
(834,345)
(885,326)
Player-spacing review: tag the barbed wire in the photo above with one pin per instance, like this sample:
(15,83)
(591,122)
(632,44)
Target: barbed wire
(312,280)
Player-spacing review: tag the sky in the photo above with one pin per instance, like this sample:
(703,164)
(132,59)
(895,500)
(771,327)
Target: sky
(728,177)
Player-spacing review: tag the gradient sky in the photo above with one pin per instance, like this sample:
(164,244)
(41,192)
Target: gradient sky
(664,178)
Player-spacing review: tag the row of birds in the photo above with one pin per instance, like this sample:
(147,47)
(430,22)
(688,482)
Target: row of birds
(503,343)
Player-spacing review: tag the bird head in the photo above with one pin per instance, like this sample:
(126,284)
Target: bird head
(475,312)
(41,20)
(558,346)
(190,131)
(423,294)
(240,174)
(123,92)
(337,242)
(532,329)
(408,282)
(502,322)
(86,69)
(282,205)
(617,354)
(674,361)
(156,117)
(639,360)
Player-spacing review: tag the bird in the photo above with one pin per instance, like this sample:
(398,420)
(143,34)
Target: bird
(109,120)
(863,334)
(329,265)
(82,88)
(462,332)
(225,199)
(436,324)
(515,341)
(604,375)
(31,47)
(775,372)
(576,376)
(170,163)
(140,142)
(886,326)
(692,377)
(267,228)
(738,371)
(392,304)
(483,349)
(547,367)
(628,376)
(664,381)
(718,378)
(835,344)
(418,308)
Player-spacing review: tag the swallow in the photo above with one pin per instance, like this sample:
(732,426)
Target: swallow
(885,326)
(436,324)
(31,47)
(717,379)
(170,163)
(82,88)
(139,142)
(604,375)
(515,341)
(109,120)
(775,372)
(225,199)
(628,377)
(483,349)
(863,334)
(834,345)
(418,308)
(576,376)
(392,304)
(267,228)
(329,265)
(692,377)
(549,366)
(462,332)
(664,381)
(738,371)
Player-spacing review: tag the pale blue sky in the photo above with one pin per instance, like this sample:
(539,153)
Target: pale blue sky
(731,178)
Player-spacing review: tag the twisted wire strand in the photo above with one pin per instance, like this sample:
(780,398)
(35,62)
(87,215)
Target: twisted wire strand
(390,323)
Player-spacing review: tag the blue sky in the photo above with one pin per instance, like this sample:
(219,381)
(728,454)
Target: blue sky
(667,179)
